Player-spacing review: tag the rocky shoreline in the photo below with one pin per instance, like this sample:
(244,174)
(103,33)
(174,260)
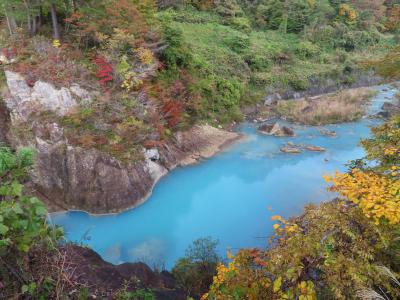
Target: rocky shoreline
(68,177)
(200,142)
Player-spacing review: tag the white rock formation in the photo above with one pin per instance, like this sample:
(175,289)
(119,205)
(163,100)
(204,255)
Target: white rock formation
(152,154)
(43,96)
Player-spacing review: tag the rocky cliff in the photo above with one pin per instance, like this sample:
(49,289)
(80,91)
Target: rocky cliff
(103,280)
(70,177)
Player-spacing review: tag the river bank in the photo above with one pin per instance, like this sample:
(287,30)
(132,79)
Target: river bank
(234,187)
(67,176)
(191,147)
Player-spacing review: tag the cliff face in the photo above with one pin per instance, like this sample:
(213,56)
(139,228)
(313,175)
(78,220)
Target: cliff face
(69,177)
(4,122)
(105,279)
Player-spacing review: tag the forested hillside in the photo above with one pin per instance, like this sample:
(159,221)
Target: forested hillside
(145,72)
(196,60)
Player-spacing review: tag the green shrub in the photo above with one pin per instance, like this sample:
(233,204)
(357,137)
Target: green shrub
(262,78)
(22,219)
(178,53)
(257,62)
(237,43)
(299,83)
(190,15)
(306,50)
(227,93)
(195,271)
(241,23)
(24,231)
(140,294)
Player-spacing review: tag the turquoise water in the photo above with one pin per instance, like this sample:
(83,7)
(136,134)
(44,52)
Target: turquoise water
(230,197)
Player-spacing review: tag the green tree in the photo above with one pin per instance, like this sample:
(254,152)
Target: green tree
(195,271)
(288,16)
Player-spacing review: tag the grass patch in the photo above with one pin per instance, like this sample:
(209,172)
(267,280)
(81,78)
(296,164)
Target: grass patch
(344,106)
(259,61)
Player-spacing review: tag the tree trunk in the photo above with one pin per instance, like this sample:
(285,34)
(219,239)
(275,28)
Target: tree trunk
(34,25)
(13,23)
(28,15)
(56,28)
(74,6)
(40,17)
(9,23)
(284,24)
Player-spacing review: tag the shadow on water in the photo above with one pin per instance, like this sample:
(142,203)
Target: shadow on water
(226,197)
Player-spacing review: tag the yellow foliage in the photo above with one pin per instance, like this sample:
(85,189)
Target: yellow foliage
(131,81)
(347,11)
(377,195)
(287,227)
(145,55)
(312,3)
(56,43)
(240,278)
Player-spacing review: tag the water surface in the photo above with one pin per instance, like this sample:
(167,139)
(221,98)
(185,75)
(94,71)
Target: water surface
(229,197)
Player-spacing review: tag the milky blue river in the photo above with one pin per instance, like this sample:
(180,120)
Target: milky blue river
(229,197)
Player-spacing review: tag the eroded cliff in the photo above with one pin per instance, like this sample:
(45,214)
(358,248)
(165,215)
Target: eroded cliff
(72,177)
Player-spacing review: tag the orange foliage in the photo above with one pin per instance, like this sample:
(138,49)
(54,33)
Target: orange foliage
(172,112)
(393,19)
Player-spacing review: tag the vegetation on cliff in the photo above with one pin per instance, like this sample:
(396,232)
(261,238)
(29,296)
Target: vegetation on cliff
(161,69)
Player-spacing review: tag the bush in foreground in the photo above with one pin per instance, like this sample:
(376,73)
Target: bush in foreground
(344,249)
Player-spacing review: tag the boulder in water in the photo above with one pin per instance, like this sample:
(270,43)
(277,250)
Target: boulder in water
(269,129)
(287,131)
(276,130)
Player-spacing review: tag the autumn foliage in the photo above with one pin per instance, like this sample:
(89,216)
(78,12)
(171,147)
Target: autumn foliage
(105,70)
(378,196)
(335,250)
(171,112)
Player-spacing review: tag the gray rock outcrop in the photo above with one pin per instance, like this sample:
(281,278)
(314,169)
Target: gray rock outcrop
(390,109)
(70,177)
(276,130)
(42,96)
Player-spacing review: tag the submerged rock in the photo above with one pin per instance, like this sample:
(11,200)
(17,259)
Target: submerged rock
(327,132)
(314,148)
(289,149)
(276,130)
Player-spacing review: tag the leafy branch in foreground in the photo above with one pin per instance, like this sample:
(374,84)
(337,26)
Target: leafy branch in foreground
(25,237)
(336,250)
